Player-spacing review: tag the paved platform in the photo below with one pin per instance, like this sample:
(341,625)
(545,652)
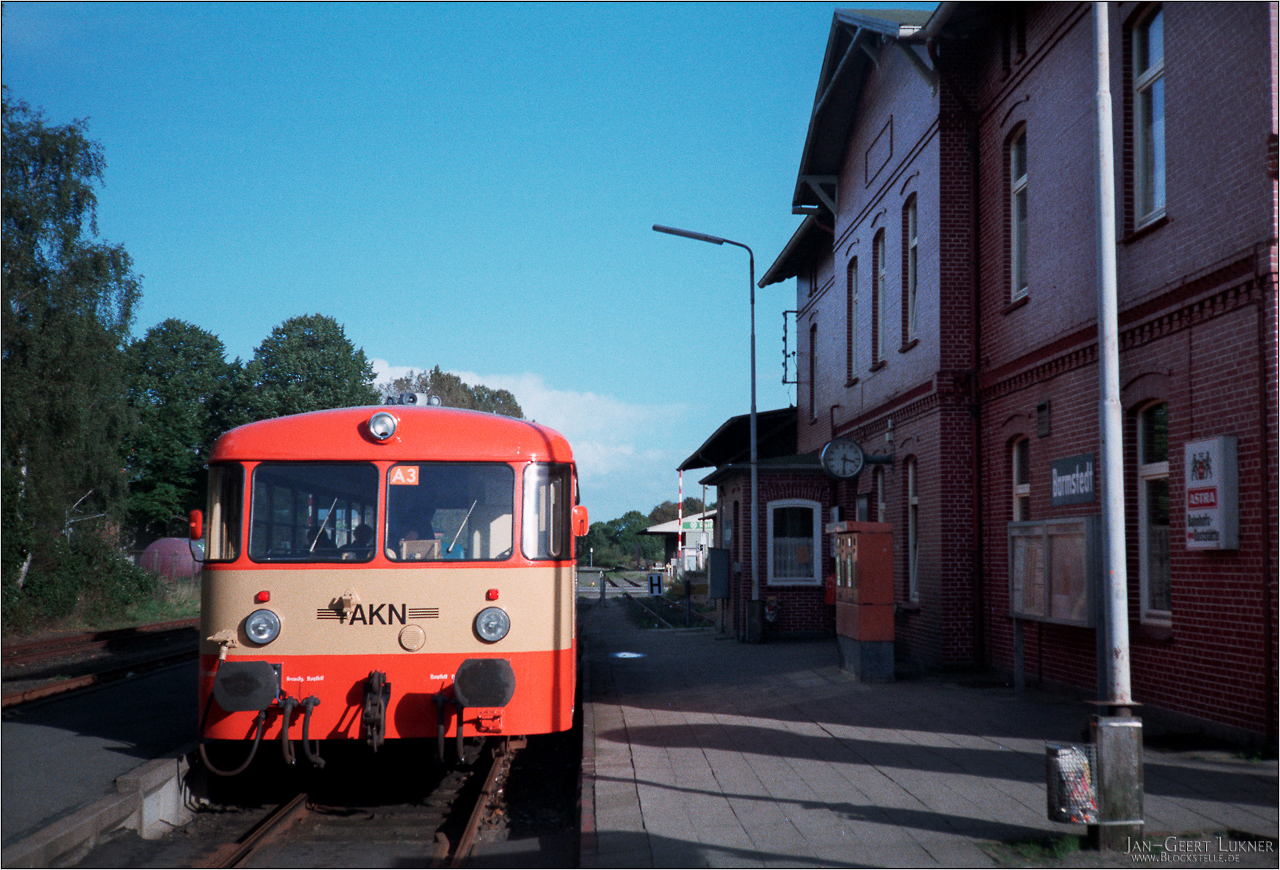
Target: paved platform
(700,751)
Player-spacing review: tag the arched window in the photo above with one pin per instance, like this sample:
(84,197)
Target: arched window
(851,323)
(813,372)
(1153,512)
(879,300)
(1018,215)
(1020,474)
(1148,117)
(910,273)
(913,531)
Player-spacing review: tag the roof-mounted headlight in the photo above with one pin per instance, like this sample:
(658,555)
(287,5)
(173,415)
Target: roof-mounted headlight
(382,426)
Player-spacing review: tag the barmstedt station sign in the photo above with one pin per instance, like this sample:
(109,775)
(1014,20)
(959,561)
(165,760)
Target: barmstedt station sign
(1072,480)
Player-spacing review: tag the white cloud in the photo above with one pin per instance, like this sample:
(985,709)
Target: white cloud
(626,452)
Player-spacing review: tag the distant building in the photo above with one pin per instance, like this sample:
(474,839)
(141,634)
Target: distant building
(946,287)
(686,540)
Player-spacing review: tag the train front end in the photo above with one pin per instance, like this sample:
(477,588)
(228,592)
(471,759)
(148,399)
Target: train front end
(379,574)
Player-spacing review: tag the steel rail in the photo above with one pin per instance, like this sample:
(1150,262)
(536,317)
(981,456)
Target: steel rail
(273,825)
(29,651)
(26,696)
(500,761)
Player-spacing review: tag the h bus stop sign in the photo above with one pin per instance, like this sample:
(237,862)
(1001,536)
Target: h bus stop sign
(655,584)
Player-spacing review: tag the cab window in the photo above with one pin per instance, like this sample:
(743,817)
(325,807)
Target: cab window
(545,518)
(225,511)
(313,512)
(450,511)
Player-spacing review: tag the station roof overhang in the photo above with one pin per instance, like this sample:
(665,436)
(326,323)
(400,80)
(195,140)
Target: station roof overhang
(810,242)
(851,56)
(775,464)
(775,436)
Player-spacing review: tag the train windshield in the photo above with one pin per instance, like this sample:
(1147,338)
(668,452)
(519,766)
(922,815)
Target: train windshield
(450,511)
(310,512)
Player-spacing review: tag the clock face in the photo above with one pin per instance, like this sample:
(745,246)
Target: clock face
(842,458)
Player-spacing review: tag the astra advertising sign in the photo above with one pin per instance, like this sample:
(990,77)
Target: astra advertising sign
(1073,480)
(1213,514)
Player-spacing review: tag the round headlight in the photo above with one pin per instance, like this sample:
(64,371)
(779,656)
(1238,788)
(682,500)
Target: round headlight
(262,626)
(492,624)
(382,426)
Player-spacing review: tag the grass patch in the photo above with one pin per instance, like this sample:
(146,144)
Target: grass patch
(166,603)
(1031,851)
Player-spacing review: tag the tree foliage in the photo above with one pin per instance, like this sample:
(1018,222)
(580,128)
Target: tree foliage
(68,305)
(666,512)
(307,363)
(620,542)
(454,393)
(177,374)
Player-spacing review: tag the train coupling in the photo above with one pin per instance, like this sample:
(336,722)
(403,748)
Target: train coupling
(373,716)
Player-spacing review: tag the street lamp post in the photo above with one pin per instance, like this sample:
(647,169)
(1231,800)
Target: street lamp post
(755,617)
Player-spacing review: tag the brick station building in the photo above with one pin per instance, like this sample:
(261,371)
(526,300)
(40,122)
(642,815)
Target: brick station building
(946,286)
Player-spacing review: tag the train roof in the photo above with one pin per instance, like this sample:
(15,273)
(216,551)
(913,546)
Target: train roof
(423,433)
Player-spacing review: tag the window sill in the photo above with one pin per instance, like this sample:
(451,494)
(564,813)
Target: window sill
(851,382)
(910,344)
(1016,304)
(1146,229)
(907,606)
(875,367)
(1154,632)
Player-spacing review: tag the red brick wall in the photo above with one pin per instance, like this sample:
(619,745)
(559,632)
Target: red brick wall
(1198,319)
(1198,302)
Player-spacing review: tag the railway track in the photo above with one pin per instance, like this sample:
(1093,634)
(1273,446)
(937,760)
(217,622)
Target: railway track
(437,830)
(43,649)
(38,669)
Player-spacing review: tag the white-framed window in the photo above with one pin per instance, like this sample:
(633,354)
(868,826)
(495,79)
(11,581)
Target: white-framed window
(1020,473)
(813,372)
(794,542)
(1153,513)
(1148,117)
(913,532)
(880,300)
(851,321)
(1018,216)
(877,478)
(911,240)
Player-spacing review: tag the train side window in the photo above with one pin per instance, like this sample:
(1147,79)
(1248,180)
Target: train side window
(450,511)
(545,519)
(226,507)
(313,512)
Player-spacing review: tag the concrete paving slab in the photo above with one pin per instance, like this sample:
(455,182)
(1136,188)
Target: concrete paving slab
(766,755)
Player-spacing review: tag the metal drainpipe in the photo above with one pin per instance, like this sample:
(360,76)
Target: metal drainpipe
(975,357)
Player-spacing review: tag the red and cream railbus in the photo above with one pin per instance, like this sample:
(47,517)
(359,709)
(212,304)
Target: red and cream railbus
(402,571)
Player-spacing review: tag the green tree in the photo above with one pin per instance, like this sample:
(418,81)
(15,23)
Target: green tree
(454,393)
(68,305)
(666,512)
(175,372)
(307,364)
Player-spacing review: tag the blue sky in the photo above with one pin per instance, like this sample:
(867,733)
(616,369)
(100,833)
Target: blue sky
(470,186)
